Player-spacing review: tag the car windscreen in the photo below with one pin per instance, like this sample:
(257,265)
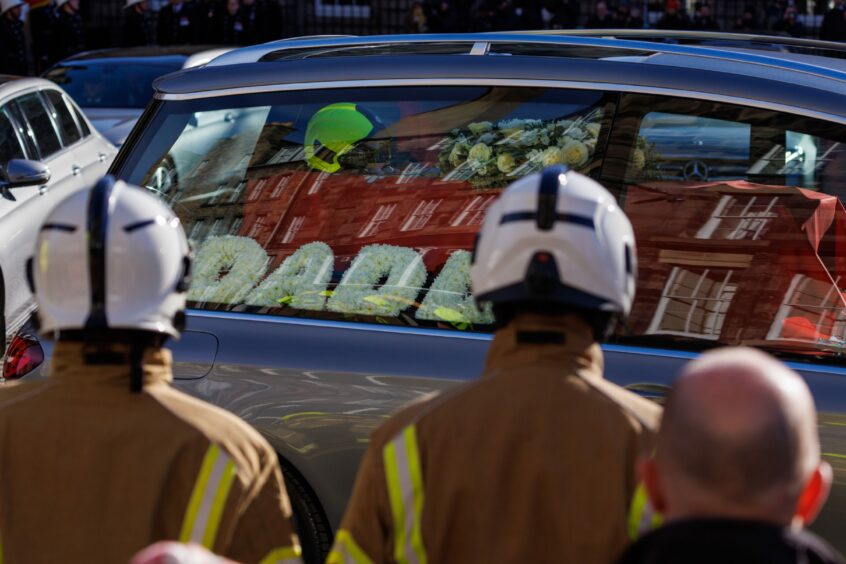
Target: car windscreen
(354,204)
(109,84)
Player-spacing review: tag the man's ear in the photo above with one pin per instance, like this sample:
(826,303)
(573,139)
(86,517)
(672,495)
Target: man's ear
(813,495)
(650,475)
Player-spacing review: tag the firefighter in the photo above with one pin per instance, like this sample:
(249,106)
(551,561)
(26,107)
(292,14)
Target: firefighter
(104,457)
(69,33)
(136,25)
(535,461)
(13,59)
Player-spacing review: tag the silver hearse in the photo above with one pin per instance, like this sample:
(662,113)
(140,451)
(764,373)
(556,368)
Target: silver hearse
(333,188)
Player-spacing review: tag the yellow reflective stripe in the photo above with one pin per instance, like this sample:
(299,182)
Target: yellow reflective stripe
(642,516)
(395,495)
(287,555)
(1,549)
(417,485)
(346,551)
(205,509)
(405,490)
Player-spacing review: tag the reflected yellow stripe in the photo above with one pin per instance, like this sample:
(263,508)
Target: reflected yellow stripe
(834,455)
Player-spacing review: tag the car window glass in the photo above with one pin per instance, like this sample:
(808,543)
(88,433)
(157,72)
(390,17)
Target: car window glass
(355,204)
(111,84)
(739,223)
(41,124)
(62,116)
(10,145)
(83,125)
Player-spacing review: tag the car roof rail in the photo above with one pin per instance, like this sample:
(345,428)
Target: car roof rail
(496,43)
(710,38)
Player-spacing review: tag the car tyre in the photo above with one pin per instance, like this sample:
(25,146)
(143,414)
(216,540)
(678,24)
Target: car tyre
(309,518)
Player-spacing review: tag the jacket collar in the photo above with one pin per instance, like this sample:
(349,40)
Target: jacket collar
(563,341)
(71,361)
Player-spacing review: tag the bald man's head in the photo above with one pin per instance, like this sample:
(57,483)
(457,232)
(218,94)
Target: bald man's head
(738,434)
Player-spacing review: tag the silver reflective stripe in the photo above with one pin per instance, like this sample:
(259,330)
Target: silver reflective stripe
(405,489)
(208,499)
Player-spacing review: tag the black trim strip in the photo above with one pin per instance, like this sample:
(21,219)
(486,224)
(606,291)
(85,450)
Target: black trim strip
(139,225)
(548,196)
(98,227)
(58,227)
(582,220)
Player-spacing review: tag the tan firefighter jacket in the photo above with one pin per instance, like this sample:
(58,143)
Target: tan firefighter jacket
(534,462)
(90,472)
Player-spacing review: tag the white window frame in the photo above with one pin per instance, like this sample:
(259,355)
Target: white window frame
(712,324)
(749,221)
(382,215)
(797,286)
(422,214)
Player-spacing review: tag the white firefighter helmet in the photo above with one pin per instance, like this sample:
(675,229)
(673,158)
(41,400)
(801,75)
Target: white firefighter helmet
(113,257)
(60,3)
(6,5)
(131,3)
(557,237)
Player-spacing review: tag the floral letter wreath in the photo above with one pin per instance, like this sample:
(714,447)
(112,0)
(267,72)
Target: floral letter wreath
(245,260)
(357,293)
(449,297)
(301,280)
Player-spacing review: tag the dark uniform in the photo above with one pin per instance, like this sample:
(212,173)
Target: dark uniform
(12,46)
(209,14)
(69,34)
(136,29)
(232,28)
(700,541)
(41,24)
(177,27)
(262,21)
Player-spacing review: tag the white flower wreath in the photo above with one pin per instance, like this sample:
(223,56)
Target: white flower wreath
(357,292)
(300,281)
(449,298)
(226,269)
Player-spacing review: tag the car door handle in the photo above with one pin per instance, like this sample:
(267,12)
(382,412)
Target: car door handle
(655,392)
(103,157)
(76,169)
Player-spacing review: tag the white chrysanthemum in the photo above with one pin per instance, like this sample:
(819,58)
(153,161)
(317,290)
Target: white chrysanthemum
(576,133)
(576,154)
(564,123)
(226,269)
(300,281)
(449,297)
(593,129)
(358,291)
(480,127)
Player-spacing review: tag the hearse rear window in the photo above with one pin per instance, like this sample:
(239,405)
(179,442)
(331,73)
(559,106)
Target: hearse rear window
(355,204)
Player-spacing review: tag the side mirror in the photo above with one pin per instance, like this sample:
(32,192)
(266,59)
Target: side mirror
(21,172)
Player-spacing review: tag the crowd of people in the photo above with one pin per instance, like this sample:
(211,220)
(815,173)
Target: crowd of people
(55,29)
(539,460)
(779,16)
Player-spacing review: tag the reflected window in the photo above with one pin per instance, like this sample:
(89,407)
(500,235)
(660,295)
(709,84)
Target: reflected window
(813,311)
(738,217)
(694,303)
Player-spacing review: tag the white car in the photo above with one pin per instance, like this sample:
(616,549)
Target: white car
(48,149)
